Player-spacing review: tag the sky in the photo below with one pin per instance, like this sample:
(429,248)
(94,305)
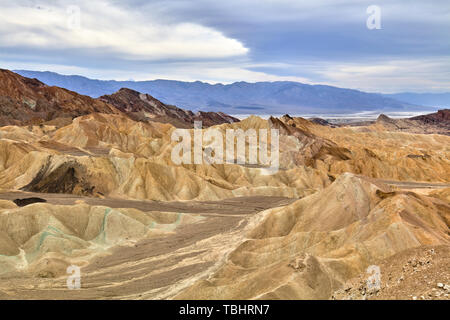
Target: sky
(401,46)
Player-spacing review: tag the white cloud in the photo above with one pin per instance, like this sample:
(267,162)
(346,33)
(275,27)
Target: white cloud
(180,40)
(126,33)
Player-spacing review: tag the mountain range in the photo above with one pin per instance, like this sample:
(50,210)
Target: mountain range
(249,98)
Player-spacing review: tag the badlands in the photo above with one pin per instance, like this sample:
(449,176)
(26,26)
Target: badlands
(109,199)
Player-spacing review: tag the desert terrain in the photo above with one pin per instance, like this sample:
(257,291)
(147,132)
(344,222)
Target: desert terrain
(107,197)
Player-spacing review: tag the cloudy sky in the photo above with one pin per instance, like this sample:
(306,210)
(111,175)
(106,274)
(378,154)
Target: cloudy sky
(320,41)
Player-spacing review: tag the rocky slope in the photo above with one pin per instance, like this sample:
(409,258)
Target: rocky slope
(434,123)
(113,155)
(413,274)
(54,235)
(308,249)
(29,101)
(142,106)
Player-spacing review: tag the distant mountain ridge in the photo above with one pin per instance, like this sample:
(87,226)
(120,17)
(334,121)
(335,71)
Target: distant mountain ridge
(239,97)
